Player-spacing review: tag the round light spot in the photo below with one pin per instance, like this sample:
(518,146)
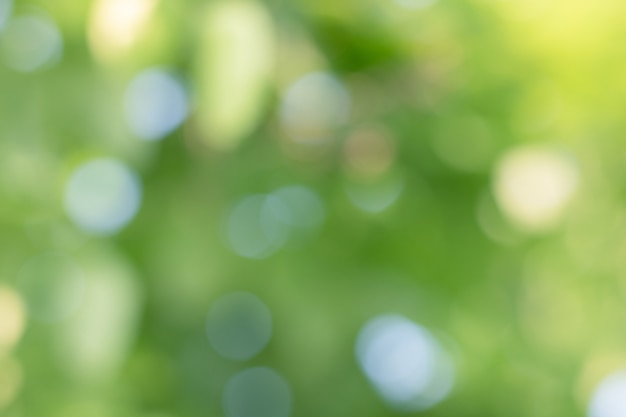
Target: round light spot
(405,363)
(533,186)
(376,196)
(155,104)
(305,207)
(239,326)
(313,107)
(257,392)
(609,398)
(115,25)
(31,42)
(369,152)
(53,287)
(103,196)
(255,229)
(262,224)
(302,210)
(12,318)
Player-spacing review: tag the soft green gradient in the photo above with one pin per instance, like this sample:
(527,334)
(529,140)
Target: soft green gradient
(461,164)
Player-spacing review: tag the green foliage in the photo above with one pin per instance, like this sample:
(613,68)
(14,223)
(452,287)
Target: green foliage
(487,206)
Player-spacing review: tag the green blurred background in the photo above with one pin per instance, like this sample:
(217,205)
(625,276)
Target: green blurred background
(316,208)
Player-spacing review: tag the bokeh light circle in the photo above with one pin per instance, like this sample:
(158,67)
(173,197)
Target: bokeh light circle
(369,152)
(404,362)
(534,185)
(155,104)
(115,26)
(30,42)
(375,196)
(609,398)
(304,208)
(254,227)
(257,392)
(239,325)
(103,196)
(313,107)
(261,224)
